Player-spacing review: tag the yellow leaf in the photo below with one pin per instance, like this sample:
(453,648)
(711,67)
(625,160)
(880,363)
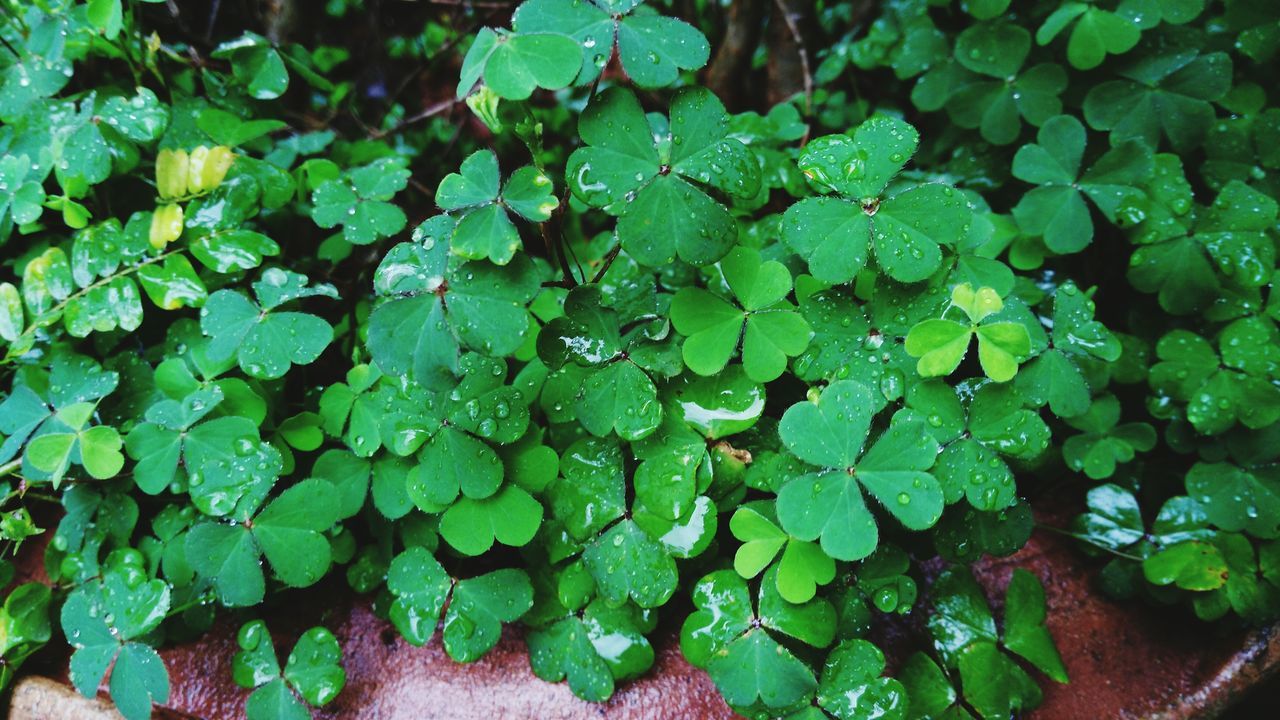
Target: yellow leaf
(166,225)
(171,174)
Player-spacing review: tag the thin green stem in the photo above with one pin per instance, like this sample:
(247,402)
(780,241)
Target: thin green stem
(51,315)
(1090,541)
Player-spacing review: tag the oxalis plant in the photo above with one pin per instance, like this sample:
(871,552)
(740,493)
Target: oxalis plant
(647,366)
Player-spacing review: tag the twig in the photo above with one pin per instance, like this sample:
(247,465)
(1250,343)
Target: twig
(608,262)
(794,29)
(430,111)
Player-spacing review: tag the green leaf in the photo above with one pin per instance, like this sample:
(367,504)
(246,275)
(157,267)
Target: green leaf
(479,606)
(627,563)
(256,65)
(358,201)
(1024,629)
(770,328)
(905,229)
(511,517)
(420,332)
(662,214)
(514,64)
(829,505)
(851,685)
(313,667)
(1168,93)
(652,48)
(420,586)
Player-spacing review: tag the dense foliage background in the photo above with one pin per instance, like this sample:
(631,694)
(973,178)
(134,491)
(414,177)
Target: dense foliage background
(765,343)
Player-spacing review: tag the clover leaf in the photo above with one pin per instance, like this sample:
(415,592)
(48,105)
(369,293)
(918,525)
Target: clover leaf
(266,342)
(1056,209)
(975,435)
(734,639)
(1235,498)
(996,107)
(104,620)
(484,229)
(632,171)
(256,64)
(652,48)
(312,675)
(451,431)
(359,201)
(70,439)
(1096,33)
(906,229)
(512,65)
(767,326)
(1103,442)
(21,197)
(511,516)
(617,393)
(1190,565)
(1179,263)
(593,648)
(1219,390)
(476,607)
(941,344)
(1168,92)
(287,531)
(851,685)
(964,634)
(432,312)
(828,505)
(802,566)
(1059,377)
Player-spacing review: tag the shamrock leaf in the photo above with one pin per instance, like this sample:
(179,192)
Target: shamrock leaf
(830,433)
(359,201)
(21,197)
(941,344)
(632,171)
(652,48)
(1056,209)
(996,107)
(103,620)
(256,64)
(512,65)
(431,314)
(736,643)
(768,327)
(1058,376)
(1236,499)
(24,618)
(1103,441)
(617,394)
(594,648)
(451,433)
(266,342)
(476,607)
(511,516)
(39,72)
(69,439)
(1096,33)
(802,566)
(852,686)
(1191,565)
(1179,263)
(1167,92)
(832,234)
(1219,390)
(288,531)
(484,228)
(627,563)
(974,438)
(312,675)
(964,634)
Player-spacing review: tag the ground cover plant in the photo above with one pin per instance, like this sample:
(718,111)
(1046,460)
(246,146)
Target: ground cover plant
(544,314)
